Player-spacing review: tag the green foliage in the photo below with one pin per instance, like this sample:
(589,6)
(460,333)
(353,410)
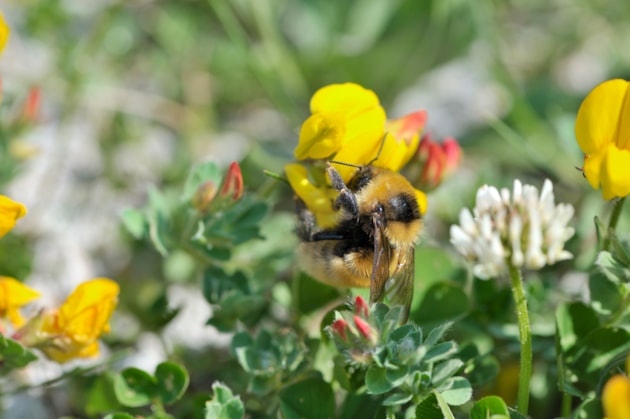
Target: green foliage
(13,355)
(155,90)
(224,405)
(136,388)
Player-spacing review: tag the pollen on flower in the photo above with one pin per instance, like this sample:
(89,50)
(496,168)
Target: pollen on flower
(522,229)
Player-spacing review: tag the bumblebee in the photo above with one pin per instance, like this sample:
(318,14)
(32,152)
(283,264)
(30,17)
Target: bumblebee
(372,243)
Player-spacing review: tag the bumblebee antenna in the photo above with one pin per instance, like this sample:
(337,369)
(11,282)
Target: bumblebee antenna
(378,154)
(344,164)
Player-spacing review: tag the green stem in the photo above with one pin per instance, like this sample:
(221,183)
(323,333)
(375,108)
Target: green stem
(525,339)
(566,405)
(612,223)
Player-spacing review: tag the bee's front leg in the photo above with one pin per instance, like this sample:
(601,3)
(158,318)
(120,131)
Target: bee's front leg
(346,199)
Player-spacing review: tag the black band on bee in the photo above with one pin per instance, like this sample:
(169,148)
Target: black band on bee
(403,208)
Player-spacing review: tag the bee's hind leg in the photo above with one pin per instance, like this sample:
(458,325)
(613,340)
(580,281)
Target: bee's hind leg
(306,220)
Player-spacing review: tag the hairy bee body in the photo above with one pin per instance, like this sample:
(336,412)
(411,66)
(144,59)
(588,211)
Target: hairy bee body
(372,243)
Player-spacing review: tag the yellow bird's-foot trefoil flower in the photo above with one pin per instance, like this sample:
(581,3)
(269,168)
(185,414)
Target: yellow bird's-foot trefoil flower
(72,330)
(616,395)
(524,229)
(602,129)
(4,33)
(10,212)
(348,125)
(13,295)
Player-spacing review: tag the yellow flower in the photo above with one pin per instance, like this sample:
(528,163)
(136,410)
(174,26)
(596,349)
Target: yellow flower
(602,129)
(348,125)
(10,212)
(4,32)
(13,295)
(616,397)
(344,117)
(74,328)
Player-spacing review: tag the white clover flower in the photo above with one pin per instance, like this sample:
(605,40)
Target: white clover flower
(525,230)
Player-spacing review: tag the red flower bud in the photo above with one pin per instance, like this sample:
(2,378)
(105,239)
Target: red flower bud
(364,328)
(30,111)
(437,161)
(339,326)
(361,307)
(233,183)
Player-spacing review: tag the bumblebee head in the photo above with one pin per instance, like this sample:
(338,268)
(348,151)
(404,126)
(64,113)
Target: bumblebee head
(401,218)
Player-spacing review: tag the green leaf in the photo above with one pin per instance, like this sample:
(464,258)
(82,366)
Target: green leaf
(445,370)
(158,221)
(312,398)
(515,414)
(588,409)
(429,408)
(198,175)
(172,381)
(443,301)
(119,415)
(376,380)
(135,222)
(606,297)
(457,391)
(224,405)
(490,407)
(440,351)
(13,355)
(397,398)
(446,411)
(134,387)
(573,322)
(312,295)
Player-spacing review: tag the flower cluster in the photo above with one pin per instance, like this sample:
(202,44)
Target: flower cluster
(602,129)
(523,229)
(433,162)
(69,332)
(353,333)
(348,124)
(231,190)
(616,395)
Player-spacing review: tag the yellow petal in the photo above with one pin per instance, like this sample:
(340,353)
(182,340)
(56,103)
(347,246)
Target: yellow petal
(10,212)
(13,295)
(321,136)
(85,314)
(423,202)
(615,175)
(616,397)
(593,167)
(4,33)
(346,97)
(317,199)
(603,116)
(396,152)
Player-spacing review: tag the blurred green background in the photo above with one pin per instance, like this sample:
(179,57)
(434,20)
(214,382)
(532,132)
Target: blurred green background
(135,92)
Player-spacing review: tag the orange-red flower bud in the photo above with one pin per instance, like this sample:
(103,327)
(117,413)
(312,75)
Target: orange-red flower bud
(233,182)
(339,326)
(360,307)
(364,328)
(30,111)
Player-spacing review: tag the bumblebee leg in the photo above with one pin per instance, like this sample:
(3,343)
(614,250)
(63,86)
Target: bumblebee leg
(346,199)
(306,220)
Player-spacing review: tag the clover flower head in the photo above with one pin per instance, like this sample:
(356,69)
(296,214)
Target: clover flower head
(523,228)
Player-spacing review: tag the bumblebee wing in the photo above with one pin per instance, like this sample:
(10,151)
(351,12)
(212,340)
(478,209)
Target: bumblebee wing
(400,286)
(381,262)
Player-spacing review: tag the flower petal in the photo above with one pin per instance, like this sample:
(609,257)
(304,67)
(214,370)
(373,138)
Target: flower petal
(615,173)
(13,295)
(321,136)
(10,212)
(317,199)
(616,397)
(602,117)
(4,32)
(346,97)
